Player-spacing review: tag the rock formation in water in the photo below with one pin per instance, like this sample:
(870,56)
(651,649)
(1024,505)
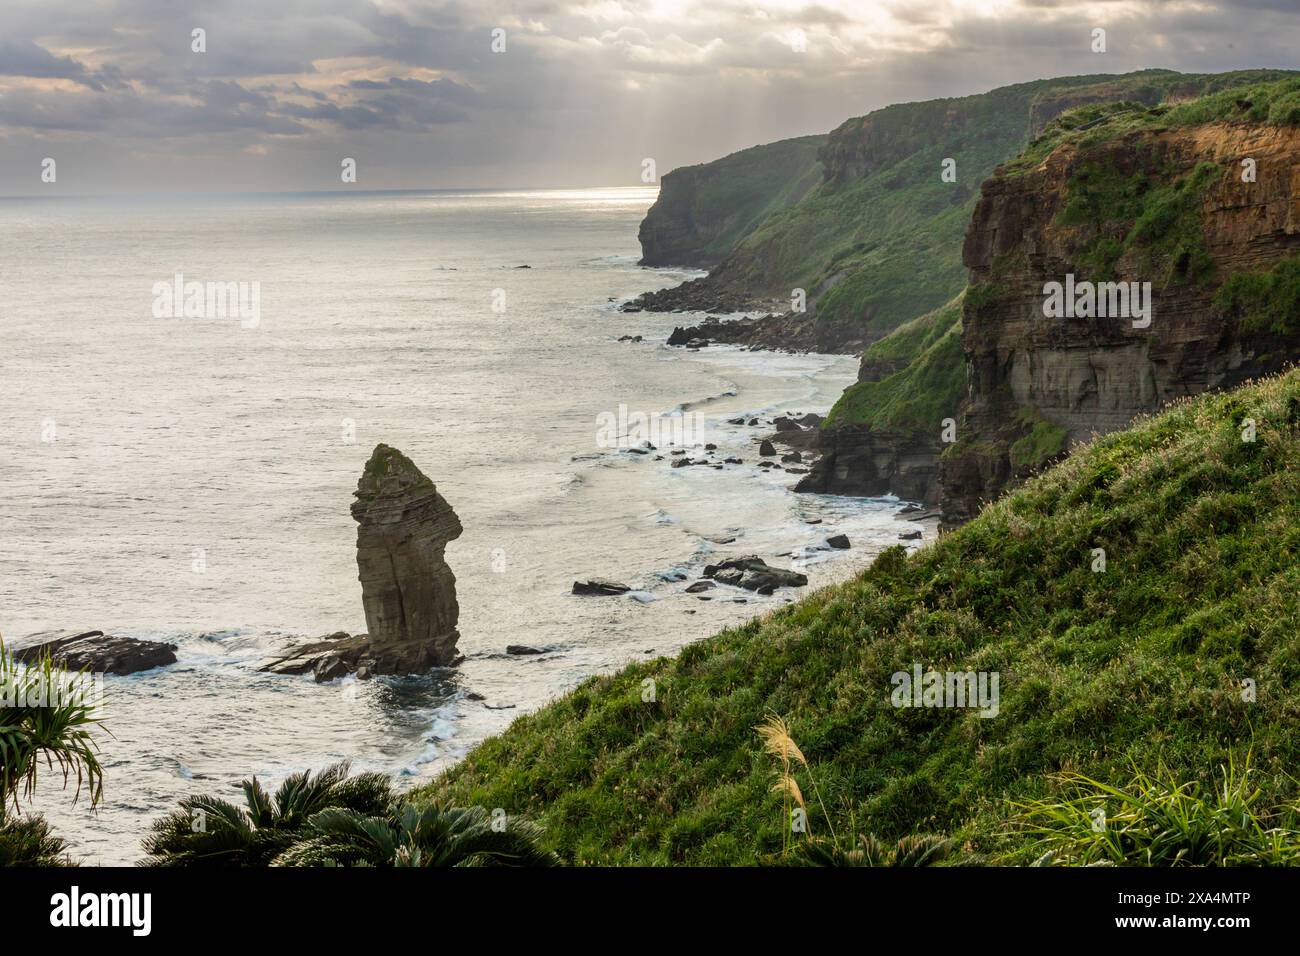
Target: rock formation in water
(96,652)
(407,588)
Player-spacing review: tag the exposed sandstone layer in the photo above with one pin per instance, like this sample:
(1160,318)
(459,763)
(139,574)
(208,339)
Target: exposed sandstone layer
(1082,376)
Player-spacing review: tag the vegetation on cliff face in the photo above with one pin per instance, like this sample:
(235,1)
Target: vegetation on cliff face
(704,210)
(878,241)
(1251,96)
(1176,650)
(1267,301)
(926,388)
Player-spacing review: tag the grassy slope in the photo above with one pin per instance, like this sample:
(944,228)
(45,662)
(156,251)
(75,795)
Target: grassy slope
(928,388)
(730,196)
(1143,661)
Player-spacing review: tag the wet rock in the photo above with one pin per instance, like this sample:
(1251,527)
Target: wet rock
(910,536)
(96,652)
(839,541)
(699,586)
(523,650)
(792,456)
(599,587)
(753,574)
(766,448)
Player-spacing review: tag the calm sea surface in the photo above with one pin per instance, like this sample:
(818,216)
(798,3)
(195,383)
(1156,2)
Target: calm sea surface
(188,479)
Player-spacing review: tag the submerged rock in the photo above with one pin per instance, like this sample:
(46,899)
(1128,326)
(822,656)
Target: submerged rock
(407,589)
(96,651)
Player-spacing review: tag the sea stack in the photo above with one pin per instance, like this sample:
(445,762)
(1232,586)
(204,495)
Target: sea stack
(407,588)
(409,592)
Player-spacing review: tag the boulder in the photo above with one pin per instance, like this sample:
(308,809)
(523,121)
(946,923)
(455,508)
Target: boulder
(766,448)
(910,536)
(754,574)
(599,587)
(96,652)
(839,541)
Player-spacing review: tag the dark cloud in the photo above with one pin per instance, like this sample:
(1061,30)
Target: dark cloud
(586,89)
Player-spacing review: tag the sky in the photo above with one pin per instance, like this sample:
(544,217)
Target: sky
(577,93)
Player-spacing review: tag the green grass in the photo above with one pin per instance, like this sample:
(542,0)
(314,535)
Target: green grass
(1139,665)
(1155,820)
(1252,96)
(884,245)
(1044,442)
(1126,212)
(1266,301)
(725,199)
(927,389)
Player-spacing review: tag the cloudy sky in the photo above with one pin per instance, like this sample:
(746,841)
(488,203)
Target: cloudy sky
(584,90)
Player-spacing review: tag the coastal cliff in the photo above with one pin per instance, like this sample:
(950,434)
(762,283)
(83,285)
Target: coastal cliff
(878,240)
(1162,196)
(703,210)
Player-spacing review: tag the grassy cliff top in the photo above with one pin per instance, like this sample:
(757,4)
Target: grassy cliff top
(930,381)
(1251,96)
(1141,661)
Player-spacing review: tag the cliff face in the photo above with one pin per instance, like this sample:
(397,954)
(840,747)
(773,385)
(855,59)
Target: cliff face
(1165,206)
(878,241)
(885,433)
(703,210)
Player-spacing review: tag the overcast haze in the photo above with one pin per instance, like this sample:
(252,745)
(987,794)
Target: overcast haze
(584,90)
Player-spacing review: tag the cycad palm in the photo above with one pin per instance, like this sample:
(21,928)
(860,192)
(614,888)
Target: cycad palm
(920,850)
(208,831)
(419,836)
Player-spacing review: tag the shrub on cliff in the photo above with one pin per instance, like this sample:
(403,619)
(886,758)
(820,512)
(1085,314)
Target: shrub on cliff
(1140,602)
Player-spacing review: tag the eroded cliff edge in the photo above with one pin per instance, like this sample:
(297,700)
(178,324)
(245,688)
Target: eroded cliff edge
(1208,213)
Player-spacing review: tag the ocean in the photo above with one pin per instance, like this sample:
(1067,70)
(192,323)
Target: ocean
(188,479)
